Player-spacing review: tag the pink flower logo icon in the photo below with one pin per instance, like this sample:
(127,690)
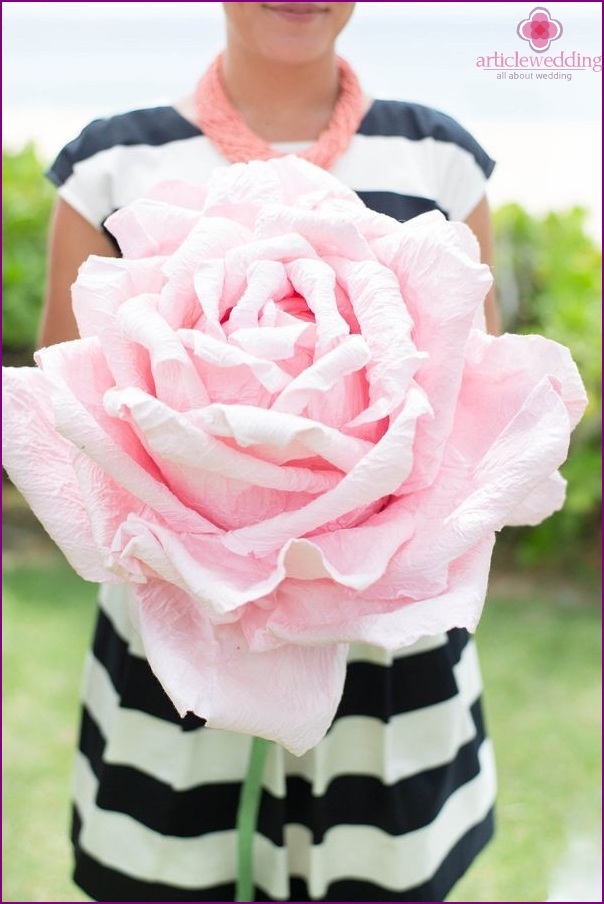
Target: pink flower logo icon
(539,29)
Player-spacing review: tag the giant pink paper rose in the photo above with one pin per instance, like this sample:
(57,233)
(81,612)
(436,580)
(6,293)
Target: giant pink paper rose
(281,429)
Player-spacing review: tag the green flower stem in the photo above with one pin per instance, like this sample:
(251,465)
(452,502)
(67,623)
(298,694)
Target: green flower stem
(247,816)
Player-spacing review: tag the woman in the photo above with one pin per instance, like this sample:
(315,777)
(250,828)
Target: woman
(396,801)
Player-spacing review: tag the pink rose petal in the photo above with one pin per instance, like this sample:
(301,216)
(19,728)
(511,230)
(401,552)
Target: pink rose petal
(289,694)
(41,464)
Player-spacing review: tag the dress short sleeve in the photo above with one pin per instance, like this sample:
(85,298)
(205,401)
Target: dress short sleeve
(464,170)
(116,159)
(83,176)
(409,159)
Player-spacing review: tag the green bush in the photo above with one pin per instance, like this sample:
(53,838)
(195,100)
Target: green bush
(549,282)
(27,199)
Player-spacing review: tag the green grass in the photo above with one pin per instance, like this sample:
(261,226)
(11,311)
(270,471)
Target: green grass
(540,659)
(48,613)
(540,654)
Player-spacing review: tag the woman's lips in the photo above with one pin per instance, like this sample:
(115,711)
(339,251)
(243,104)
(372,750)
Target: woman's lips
(296,12)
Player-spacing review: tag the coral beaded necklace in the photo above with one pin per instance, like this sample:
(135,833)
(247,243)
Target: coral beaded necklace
(227,130)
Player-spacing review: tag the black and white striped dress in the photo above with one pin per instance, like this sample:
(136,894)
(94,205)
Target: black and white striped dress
(396,801)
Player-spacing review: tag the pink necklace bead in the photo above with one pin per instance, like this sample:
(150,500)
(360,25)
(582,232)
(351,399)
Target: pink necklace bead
(227,130)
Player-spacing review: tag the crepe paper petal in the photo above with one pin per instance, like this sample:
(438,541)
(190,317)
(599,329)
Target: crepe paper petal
(239,262)
(377,475)
(525,361)
(77,377)
(171,438)
(208,240)
(282,437)
(383,319)
(148,228)
(221,356)
(240,192)
(351,558)
(279,344)
(543,500)
(433,258)
(304,614)
(40,463)
(266,280)
(315,281)
(103,285)
(534,443)
(175,379)
(289,694)
(321,377)
(208,283)
(476,498)
(329,233)
(213,577)
(118,452)
(178,193)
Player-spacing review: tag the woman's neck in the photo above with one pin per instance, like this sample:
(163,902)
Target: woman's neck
(281,103)
(224,126)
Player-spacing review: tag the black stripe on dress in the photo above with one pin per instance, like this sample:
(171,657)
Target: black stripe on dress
(399,119)
(400,207)
(133,678)
(154,126)
(410,683)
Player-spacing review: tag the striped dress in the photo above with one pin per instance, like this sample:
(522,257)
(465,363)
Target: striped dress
(397,800)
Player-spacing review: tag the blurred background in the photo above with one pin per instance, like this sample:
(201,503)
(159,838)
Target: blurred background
(67,63)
